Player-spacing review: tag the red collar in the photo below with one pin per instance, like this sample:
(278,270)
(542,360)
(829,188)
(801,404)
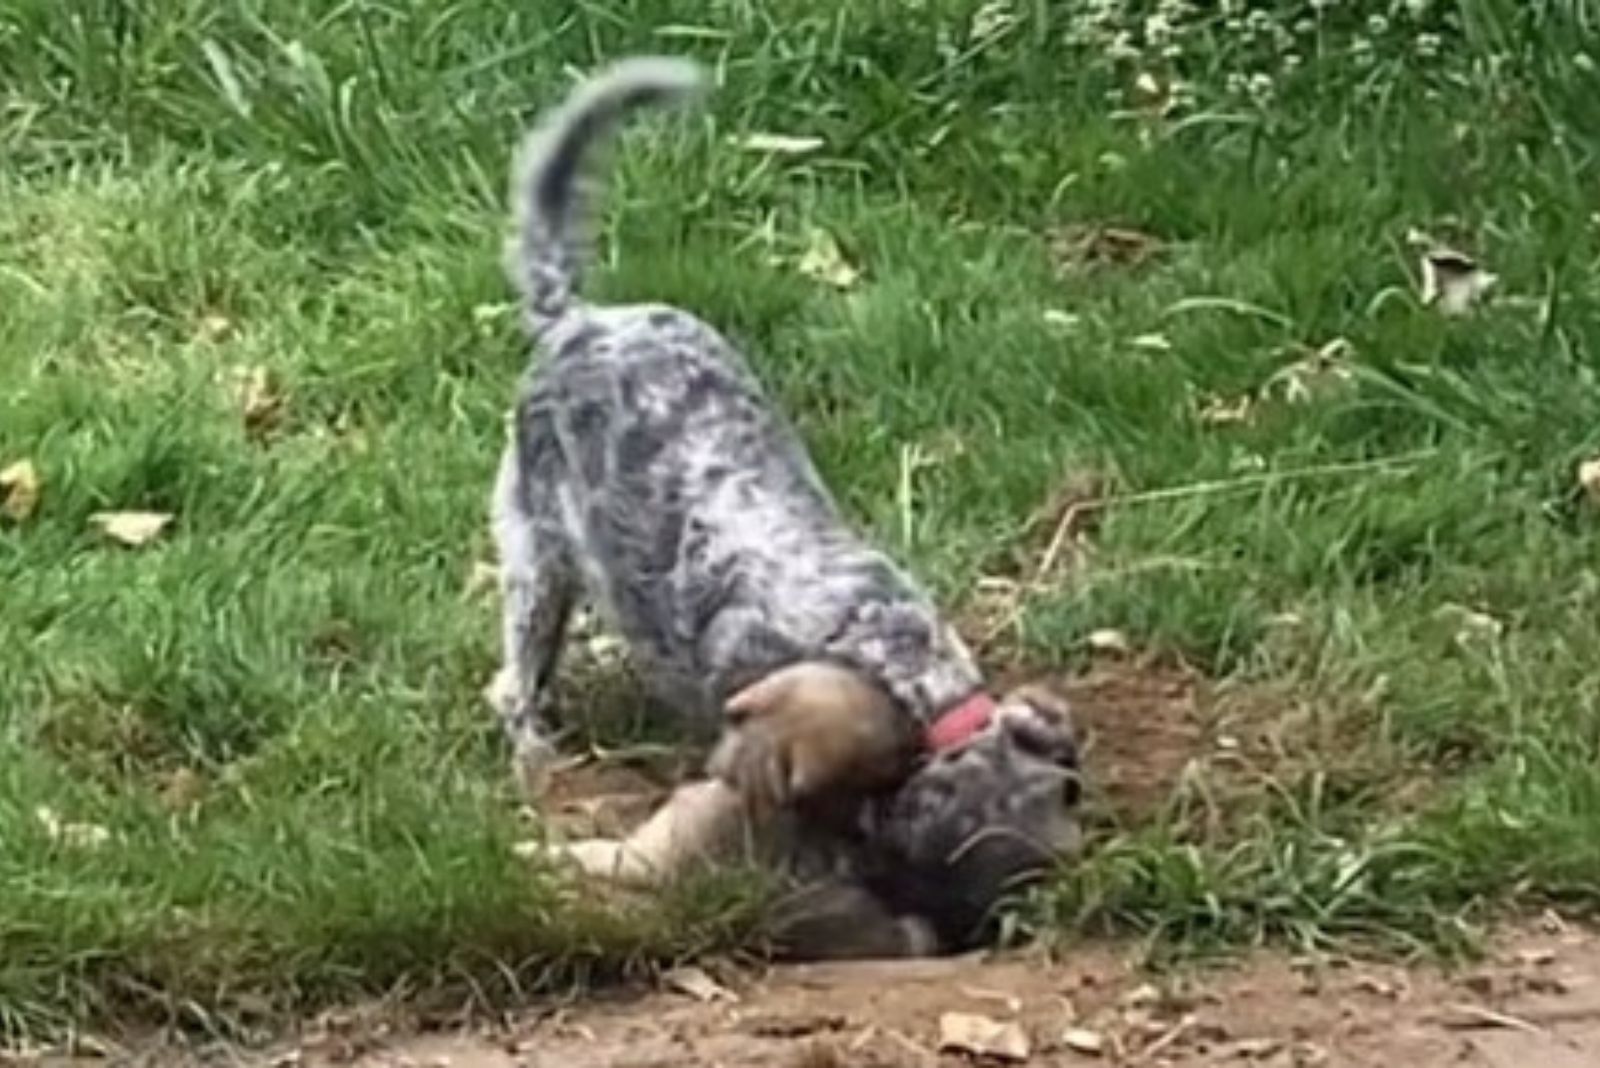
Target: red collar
(960,723)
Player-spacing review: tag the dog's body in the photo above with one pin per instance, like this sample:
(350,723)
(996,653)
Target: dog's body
(648,472)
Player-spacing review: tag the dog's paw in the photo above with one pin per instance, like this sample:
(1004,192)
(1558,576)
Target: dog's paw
(533,763)
(500,693)
(809,730)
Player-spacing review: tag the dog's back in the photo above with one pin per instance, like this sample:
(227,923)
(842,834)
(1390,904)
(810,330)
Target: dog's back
(690,504)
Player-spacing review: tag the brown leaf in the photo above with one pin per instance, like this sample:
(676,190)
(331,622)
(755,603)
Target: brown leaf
(780,144)
(823,261)
(483,577)
(980,1036)
(213,327)
(1083,1040)
(1452,281)
(19,491)
(1324,371)
(1589,479)
(84,836)
(182,789)
(260,403)
(133,529)
(1218,411)
(1152,342)
(1111,641)
(697,984)
(1077,246)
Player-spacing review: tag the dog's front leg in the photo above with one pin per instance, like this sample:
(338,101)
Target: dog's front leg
(540,586)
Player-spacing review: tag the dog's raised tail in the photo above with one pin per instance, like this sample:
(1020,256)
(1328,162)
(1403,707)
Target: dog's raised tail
(547,250)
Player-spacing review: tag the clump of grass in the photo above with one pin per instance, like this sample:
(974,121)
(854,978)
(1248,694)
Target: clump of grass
(270,714)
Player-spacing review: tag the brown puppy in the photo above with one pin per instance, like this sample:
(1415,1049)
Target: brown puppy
(810,730)
(896,861)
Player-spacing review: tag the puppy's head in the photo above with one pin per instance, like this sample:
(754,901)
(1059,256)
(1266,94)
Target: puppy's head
(813,731)
(982,819)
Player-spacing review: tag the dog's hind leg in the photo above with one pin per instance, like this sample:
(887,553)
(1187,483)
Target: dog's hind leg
(540,586)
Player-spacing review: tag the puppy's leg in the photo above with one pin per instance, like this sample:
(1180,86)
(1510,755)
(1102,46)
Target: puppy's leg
(840,920)
(700,821)
(539,585)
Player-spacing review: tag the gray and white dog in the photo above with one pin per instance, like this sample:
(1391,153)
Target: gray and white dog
(649,474)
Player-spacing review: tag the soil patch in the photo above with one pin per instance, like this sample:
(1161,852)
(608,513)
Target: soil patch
(1535,1000)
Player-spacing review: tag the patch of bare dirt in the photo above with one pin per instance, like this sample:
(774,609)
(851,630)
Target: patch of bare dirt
(1533,1003)
(1140,728)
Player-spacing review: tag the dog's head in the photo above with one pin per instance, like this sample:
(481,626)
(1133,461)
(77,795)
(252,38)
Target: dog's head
(982,819)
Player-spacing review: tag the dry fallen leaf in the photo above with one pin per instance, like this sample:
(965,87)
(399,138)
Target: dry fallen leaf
(132,528)
(991,20)
(86,836)
(1218,411)
(1083,1040)
(213,327)
(1110,640)
(1252,1049)
(260,403)
(1324,371)
(482,577)
(979,1036)
(1589,479)
(19,490)
(1152,343)
(1452,281)
(1142,996)
(823,261)
(182,789)
(1471,625)
(780,144)
(695,983)
(1076,246)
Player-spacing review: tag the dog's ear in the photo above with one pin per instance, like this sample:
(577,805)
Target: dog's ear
(810,683)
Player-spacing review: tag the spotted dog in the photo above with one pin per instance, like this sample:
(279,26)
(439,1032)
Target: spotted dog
(648,473)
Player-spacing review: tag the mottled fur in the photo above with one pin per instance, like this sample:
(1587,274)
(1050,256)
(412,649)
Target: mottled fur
(648,472)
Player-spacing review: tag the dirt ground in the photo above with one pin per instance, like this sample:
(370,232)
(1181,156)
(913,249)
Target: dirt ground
(1533,1003)
(1150,733)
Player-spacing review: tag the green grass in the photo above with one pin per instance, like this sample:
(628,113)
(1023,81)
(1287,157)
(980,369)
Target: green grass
(189,190)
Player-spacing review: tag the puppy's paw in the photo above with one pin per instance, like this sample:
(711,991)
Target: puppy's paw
(809,730)
(1042,719)
(607,860)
